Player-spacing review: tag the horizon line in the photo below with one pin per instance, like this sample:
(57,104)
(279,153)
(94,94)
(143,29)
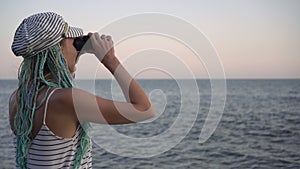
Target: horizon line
(258,78)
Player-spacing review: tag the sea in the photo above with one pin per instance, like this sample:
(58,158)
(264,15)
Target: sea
(257,125)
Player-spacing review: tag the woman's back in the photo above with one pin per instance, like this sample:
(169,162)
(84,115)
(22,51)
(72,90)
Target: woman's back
(48,150)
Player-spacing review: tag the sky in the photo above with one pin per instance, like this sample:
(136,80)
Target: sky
(253,38)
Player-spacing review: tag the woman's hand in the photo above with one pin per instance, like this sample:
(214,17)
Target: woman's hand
(102,46)
(104,50)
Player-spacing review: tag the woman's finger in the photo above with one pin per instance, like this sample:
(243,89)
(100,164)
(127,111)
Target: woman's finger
(97,36)
(108,38)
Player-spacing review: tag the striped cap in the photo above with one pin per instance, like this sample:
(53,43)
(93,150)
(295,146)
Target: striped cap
(41,31)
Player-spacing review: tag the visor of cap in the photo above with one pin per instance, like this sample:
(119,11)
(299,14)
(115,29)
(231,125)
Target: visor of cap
(73,32)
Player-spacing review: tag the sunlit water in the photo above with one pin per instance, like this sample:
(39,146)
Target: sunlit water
(259,128)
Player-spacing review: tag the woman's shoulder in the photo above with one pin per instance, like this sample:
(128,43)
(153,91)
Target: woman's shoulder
(65,99)
(62,98)
(66,95)
(71,94)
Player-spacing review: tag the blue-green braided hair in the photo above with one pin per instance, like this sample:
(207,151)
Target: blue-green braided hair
(32,81)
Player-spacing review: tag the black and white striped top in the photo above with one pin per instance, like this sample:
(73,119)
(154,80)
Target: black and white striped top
(48,150)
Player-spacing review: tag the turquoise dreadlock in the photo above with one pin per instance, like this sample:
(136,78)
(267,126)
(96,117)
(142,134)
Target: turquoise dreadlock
(31,81)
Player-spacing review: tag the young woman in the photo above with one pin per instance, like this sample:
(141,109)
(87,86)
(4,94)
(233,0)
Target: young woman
(46,109)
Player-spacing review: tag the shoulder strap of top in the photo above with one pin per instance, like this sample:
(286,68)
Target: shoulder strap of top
(46,106)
